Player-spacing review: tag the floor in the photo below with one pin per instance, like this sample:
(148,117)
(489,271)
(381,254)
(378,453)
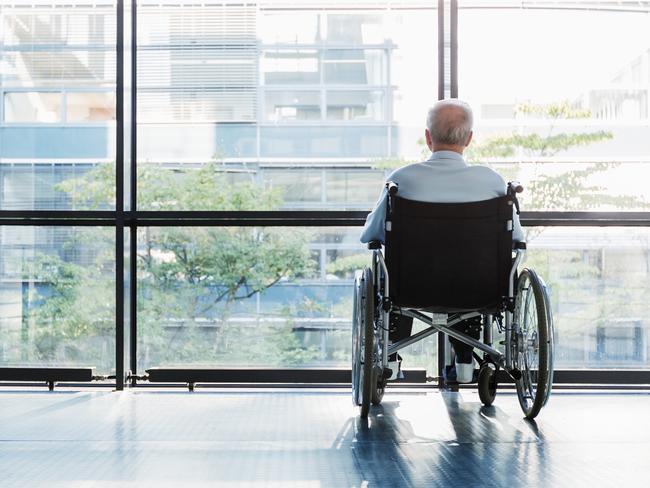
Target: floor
(314,438)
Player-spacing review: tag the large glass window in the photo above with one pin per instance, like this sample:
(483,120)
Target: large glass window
(264,90)
(598,281)
(245,296)
(57,90)
(258,106)
(58,297)
(558,104)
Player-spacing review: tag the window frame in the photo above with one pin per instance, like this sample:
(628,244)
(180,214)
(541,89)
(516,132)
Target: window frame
(127,216)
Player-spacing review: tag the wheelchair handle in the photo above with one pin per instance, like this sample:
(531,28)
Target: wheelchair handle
(515,187)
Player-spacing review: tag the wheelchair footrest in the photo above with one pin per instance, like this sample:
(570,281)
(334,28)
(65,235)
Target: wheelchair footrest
(449,375)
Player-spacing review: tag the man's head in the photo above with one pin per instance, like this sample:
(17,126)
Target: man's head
(449,126)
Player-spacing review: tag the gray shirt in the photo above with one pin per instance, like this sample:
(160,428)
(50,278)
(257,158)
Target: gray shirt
(443,178)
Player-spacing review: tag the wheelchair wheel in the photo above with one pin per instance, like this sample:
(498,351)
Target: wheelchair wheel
(487,385)
(532,343)
(362,341)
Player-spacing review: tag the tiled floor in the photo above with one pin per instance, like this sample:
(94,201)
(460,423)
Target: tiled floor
(314,438)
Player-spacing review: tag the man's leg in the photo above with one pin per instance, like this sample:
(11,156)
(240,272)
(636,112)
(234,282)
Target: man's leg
(400,328)
(464,361)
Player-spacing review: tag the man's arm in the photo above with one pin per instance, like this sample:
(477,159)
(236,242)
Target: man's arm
(375,225)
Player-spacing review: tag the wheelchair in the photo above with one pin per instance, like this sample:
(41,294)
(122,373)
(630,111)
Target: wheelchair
(446,263)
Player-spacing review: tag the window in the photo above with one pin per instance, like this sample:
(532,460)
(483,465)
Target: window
(44,107)
(292,105)
(355,105)
(598,280)
(291,67)
(257,107)
(351,67)
(560,111)
(58,297)
(57,84)
(90,107)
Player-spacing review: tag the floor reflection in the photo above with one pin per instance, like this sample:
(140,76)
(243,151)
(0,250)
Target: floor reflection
(303,438)
(480,443)
(378,447)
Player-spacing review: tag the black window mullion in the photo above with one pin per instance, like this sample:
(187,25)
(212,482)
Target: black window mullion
(119,201)
(133,237)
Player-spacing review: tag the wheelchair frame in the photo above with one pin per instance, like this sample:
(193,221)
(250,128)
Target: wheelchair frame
(516,335)
(496,357)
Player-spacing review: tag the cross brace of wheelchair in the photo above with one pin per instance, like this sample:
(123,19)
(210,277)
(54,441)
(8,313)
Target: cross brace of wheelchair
(454,267)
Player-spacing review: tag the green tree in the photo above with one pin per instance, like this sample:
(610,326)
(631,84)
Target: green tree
(64,304)
(564,189)
(189,279)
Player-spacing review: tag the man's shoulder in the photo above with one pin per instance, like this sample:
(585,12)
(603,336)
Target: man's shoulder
(405,170)
(485,172)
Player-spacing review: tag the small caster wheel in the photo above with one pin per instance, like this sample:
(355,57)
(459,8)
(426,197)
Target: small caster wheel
(380,386)
(487,385)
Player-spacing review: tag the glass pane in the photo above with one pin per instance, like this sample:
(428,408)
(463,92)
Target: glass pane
(58,297)
(354,187)
(266,90)
(566,186)
(569,112)
(599,281)
(197,63)
(290,67)
(292,105)
(305,26)
(355,105)
(90,107)
(50,51)
(299,188)
(32,107)
(227,297)
(355,28)
(348,67)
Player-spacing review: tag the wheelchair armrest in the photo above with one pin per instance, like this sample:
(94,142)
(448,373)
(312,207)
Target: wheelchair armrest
(374,245)
(519,245)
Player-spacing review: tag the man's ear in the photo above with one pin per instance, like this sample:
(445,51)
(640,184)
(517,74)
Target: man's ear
(427,137)
(469,138)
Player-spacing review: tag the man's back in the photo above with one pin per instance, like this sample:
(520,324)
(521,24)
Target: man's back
(444,178)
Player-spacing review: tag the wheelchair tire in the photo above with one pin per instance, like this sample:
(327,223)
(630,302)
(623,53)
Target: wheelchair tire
(487,385)
(532,345)
(357,337)
(363,377)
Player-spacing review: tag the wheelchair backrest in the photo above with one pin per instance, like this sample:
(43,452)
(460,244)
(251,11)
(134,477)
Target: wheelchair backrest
(449,256)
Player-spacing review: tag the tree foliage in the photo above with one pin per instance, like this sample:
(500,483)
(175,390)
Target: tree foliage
(189,278)
(569,188)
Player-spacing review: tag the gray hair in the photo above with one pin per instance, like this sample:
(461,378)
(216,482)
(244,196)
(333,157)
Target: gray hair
(450,122)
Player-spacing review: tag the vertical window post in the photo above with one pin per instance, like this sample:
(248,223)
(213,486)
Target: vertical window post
(119,202)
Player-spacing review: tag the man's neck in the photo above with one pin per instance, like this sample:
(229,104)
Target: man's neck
(448,147)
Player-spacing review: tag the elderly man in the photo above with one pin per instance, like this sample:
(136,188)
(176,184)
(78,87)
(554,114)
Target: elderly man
(443,178)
